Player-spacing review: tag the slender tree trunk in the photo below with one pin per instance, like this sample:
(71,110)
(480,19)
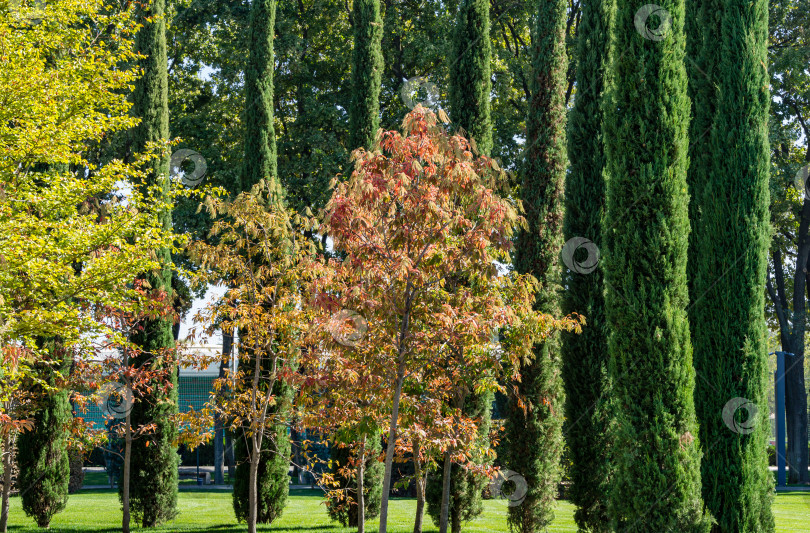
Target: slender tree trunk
(229,460)
(219,445)
(448,465)
(389,451)
(253,485)
(421,480)
(7,465)
(125,481)
(361,499)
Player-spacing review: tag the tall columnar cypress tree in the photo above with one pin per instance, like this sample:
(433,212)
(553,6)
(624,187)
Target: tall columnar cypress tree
(42,455)
(470,86)
(656,452)
(470,71)
(367,67)
(153,483)
(732,236)
(260,132)
(584,356)
(702,63)
(260,164)
(533,439)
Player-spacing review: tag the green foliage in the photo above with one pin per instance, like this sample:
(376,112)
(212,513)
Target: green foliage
(533,438)
(42,454)
(367,67)
(729,250)
(260,134)
(153,485)
(273,480)
(470,73)
(656,453)
(466,486)
(344,511)
(584,356)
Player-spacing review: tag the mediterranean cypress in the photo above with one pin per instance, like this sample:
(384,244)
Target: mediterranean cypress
(273,480)
(260,133)
(702,62)
(732,237)
(470,83)
(655,448)
(470,87)
(42,455)
(533,438)
(584,356)
(153,483)
(367,67)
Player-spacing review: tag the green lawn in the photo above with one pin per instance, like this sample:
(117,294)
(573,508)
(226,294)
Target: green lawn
(99,511)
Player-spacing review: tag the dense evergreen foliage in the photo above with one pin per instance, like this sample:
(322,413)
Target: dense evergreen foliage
(273,480)
(345,511)
(153,483)
(367,68)
(584,356)
(656,453)
(42,454)
(260,134)
(533,438)
(470,72)
(732,236)
(466,487)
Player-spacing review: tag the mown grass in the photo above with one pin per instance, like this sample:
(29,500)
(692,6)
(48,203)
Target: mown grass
(98,511)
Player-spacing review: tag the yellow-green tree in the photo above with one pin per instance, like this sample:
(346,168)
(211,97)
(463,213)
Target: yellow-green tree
(70,246)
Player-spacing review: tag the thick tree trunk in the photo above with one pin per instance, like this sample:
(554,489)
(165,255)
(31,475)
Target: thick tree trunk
(448,466)
(421,482)
(361,498)
(796,412)
(792,323)
(7,465)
